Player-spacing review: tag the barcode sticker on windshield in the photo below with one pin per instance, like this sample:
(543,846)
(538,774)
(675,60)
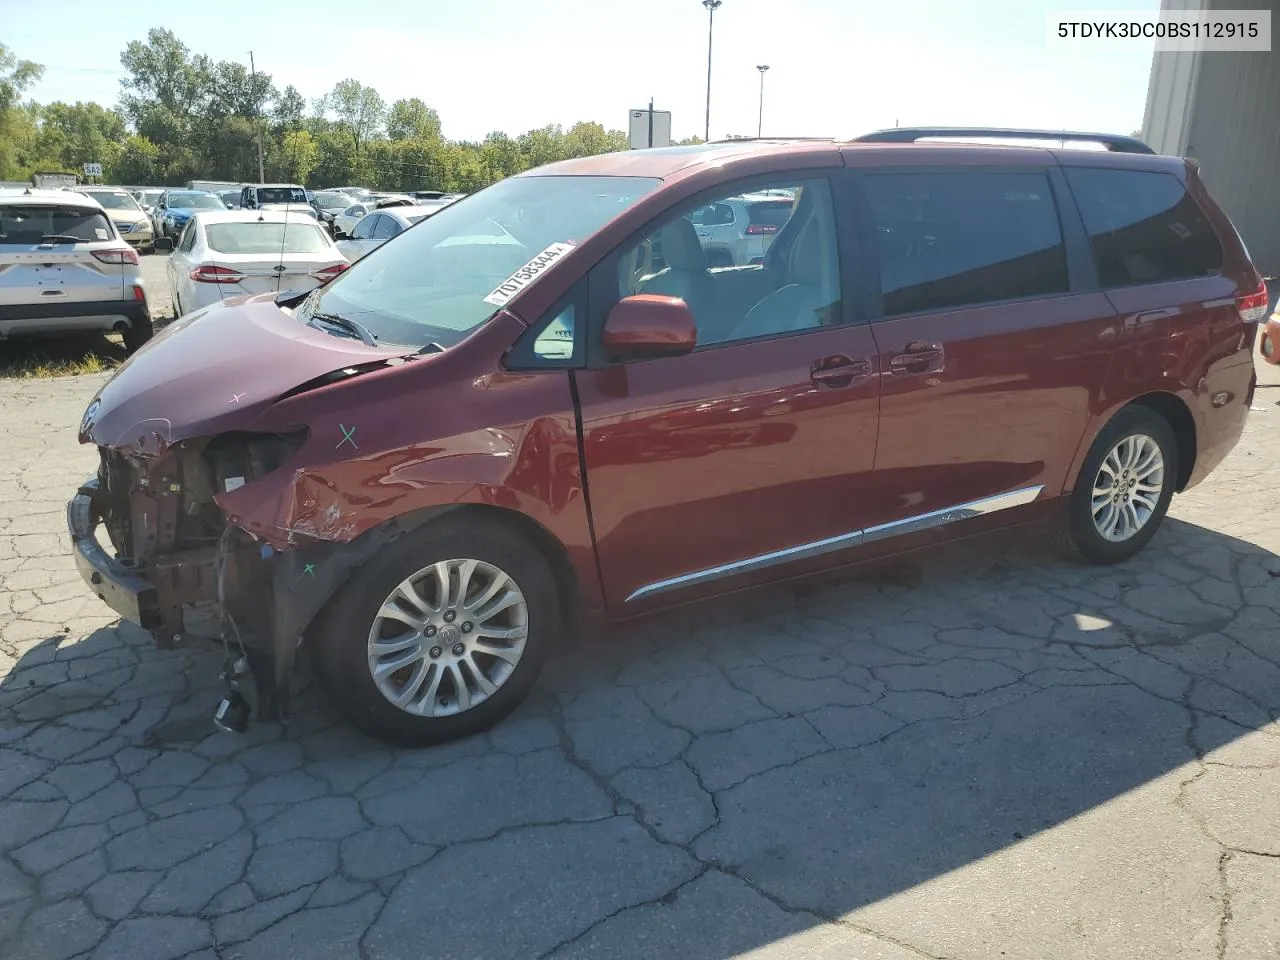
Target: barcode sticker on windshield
(509,287)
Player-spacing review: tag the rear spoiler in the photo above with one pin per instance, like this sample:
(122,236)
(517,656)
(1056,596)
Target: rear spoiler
(1113,142)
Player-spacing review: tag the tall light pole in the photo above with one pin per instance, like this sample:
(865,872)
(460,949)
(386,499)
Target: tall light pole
(711,6)
(760,126)
(253,74)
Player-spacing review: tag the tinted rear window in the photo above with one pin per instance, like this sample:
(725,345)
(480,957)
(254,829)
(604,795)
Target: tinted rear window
(770,213)
(281,195)
(115,201)
(265,238)
(27,224)
(950,239)
(195,201)
(1143,227)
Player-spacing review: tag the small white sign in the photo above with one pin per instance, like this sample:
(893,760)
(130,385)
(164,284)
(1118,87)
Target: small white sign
(93,169)
(509,287)
(638,129)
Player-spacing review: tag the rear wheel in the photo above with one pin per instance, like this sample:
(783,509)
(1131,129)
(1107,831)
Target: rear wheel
(441,635)
(1124,487)
(139,332)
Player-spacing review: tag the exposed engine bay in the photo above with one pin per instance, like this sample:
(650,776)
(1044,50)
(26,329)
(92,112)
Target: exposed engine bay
(160,517)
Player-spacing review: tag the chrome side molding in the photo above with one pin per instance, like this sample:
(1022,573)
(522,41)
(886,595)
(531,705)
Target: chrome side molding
(963,511)
(817,548)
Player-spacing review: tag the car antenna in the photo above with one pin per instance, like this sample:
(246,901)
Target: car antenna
(283,230)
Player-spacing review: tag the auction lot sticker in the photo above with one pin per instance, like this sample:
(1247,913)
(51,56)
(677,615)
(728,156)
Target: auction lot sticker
(509,287)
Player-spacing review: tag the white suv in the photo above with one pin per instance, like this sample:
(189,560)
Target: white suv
(64,268)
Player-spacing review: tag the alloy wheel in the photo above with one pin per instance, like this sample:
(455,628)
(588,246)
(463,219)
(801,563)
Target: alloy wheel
(448,637)
(1127,489)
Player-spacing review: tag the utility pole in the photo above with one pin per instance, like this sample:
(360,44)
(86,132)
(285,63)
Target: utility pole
(253,74)
(711,6)
(760,123)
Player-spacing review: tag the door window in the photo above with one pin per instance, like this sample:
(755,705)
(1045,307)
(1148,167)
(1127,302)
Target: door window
(953,239)
(1144,227)
(748,286)
(364,230)
(385,228)
(188,240)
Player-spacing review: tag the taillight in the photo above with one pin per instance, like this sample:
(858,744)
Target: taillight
(124,255)
(758,229)
(325,274)
(1252,307)
(139,294)
(209,273)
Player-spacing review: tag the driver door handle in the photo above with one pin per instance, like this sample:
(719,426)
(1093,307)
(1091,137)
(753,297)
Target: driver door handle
(839,371)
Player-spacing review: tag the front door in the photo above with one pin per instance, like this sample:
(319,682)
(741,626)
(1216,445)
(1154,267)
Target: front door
(749,453)
(992,365)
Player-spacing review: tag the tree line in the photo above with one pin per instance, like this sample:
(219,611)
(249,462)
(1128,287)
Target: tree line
(183,116)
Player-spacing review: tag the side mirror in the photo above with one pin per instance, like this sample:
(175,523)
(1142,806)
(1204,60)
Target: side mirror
(163,244)
(648,325)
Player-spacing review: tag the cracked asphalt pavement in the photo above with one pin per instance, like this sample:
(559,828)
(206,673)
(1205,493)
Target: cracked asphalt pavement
(986,751)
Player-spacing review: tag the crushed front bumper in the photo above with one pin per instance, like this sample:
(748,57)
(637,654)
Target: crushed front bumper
(114,583)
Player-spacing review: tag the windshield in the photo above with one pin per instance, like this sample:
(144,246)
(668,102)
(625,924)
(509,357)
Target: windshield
(114,201)
(333,201)
(440,280)
(151,197)
(20,223)
(281,195)
(195,201)
(265,238)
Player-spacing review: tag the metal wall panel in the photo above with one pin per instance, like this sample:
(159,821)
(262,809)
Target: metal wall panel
(1223,109)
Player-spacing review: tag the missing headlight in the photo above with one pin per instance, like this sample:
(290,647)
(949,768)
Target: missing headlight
(238,458)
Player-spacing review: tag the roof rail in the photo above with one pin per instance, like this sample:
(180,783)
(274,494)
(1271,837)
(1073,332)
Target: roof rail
(769,139)
(1113,142)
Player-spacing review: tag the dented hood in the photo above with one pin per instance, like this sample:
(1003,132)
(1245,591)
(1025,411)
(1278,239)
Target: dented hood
(212,371)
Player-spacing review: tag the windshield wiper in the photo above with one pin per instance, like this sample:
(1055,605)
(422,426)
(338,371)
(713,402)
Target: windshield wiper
(60,238)
(359,330)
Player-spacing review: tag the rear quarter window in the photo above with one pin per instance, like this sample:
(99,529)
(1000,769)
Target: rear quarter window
(1143,227)
(20,223)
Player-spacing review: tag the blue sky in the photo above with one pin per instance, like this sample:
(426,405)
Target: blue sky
(838,67)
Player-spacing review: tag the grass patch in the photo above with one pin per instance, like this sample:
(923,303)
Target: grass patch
(36,357)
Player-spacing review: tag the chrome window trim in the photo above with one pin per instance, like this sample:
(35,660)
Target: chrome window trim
(816,548)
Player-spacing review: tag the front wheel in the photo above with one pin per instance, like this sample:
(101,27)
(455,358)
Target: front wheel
(441,636)
(1124,487)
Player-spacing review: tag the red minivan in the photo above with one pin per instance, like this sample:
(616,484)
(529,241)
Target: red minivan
(544,404)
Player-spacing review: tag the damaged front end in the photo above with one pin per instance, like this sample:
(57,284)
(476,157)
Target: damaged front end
(152,542)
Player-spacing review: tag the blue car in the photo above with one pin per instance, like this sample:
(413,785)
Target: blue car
(176,207)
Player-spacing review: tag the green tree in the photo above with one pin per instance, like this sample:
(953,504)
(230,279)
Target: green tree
(74,134)
(360,111)
(412,119)
(17,126)
(15,77)
(589,139)
(295,158)
(136,162)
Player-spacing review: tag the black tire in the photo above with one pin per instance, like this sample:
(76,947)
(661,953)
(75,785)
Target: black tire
(339,644)
(139,332)
(1080,535)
